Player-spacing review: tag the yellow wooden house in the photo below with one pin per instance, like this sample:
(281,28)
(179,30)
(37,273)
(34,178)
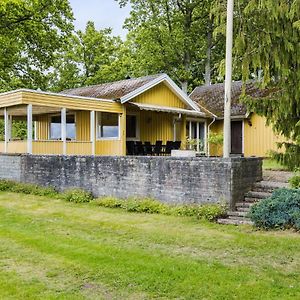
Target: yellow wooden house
(250,135)
(98,120)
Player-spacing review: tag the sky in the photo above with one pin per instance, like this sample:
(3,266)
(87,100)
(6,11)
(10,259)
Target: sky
(104,13)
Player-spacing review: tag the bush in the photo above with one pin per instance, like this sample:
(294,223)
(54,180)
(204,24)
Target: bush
(211,212)
(109,202)
(77,196)
(281,210)
(294,181)
(24,188)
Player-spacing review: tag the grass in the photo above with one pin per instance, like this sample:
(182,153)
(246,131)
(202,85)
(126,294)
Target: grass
(271,164)
(52,249)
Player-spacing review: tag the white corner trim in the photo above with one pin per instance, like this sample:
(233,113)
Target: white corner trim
(163,78)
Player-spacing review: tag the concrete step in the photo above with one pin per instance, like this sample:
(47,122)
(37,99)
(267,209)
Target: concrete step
(244,204)
(237,214)
(235,222)
(258,195)
(243,209)
(278,176)
(268,186)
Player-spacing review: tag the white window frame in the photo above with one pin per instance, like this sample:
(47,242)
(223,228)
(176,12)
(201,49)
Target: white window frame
(59,115)
(198,121)
(137,130)
(98,118)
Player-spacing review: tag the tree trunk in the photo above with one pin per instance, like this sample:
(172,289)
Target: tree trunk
(207,76)
(184,86)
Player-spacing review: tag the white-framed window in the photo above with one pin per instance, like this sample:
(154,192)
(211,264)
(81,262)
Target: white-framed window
(196,130)
(55,127)
(108,125)
(132,126)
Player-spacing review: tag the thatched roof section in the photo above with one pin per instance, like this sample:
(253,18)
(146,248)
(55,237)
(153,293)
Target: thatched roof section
(111,90)
(211,98)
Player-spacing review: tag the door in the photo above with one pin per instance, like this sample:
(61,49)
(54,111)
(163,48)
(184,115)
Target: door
(237,137)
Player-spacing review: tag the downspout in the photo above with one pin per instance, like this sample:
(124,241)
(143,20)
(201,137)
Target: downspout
(208,131)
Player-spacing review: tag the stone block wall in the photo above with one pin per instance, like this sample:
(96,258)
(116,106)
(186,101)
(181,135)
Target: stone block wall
(169,179)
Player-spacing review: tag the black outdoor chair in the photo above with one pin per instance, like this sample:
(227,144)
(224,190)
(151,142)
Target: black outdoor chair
(130,147)
(177,145)
(158,148)
(148,148)
(169,148)
(139,148)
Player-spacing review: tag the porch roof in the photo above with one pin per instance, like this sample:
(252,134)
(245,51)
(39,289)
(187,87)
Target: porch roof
(166,109)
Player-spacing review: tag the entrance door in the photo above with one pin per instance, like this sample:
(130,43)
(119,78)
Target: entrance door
(237,137)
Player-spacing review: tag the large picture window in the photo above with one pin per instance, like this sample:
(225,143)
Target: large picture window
(196,131)
(108,125)
(55,128)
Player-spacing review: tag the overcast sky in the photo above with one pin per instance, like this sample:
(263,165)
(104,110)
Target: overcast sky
(105,13)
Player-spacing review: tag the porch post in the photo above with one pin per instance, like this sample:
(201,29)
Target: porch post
(64,129)
(6,130)
(183,132)
(29,128)
(93,131)
(198,137)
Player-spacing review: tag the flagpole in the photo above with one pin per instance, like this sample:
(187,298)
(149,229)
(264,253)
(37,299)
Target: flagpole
(228,80)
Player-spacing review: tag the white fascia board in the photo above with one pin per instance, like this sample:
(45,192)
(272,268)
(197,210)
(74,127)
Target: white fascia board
(163,78)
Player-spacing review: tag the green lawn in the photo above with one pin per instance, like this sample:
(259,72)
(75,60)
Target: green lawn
(271,164)
(50,249)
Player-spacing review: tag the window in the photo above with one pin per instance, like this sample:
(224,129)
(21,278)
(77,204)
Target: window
(131,127)
(196,131)
(55,128)
(108,125)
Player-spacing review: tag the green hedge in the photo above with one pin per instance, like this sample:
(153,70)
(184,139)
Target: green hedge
(209,212)
(280,211)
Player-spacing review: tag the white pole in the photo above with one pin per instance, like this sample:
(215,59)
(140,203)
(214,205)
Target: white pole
(228,80)
(6,130)
(29,128)
(93,131)
(64,129)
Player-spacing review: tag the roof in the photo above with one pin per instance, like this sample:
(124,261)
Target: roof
(111,90)
(210,98)
(126,90)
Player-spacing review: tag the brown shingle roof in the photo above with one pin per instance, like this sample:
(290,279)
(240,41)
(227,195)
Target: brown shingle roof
(211,97)
(112,90)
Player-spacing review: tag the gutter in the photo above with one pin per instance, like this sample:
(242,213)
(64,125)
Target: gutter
(208,131)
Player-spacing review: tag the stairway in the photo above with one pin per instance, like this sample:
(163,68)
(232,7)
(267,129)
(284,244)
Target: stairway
(272,180)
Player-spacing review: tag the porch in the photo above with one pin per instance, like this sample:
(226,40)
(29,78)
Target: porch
(57,124)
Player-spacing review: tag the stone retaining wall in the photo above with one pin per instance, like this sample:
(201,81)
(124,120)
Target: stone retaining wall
(169,179)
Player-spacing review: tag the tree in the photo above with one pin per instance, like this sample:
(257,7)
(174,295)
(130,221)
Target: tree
(31,33)
(267,47)
(90,57)
(175,37)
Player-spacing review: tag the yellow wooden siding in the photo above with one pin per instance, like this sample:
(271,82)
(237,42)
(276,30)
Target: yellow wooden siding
(160,95)
(109,147)
(156,126)
(70,102)
(216,127)
(42,127)
(47,147)
(2,146)
(17,147)
(10,99)
(83,126)
(259,138)
(79,148)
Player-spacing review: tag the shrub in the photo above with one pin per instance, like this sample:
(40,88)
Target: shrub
(281,210)
(77,196)
(25,188)
(294,181)
(211,212)
(146,205)
(109,202)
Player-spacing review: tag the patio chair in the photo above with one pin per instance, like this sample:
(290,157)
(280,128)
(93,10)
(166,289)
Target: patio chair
(130,147)
(148,148)
(169,148)
(139,148)
(158,148)
(177,145)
